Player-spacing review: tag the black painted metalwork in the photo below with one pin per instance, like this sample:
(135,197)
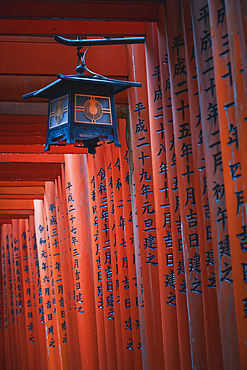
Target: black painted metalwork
(81,107)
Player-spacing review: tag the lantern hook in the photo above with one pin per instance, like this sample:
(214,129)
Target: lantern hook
(81,68)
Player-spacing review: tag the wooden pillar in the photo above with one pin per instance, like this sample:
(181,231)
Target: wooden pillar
(97,268)
(152,346)
(4,255)
(107,272)
(37,295)
(20,311)
(206,77)
(113,257)
(57,278)
(172,180)
(186,181)
(130,250)
(2,336)
(14,304)
(31,334)
(46,287)
(68,283)
(80,241)
(161,201)
(210,303)
(232,158)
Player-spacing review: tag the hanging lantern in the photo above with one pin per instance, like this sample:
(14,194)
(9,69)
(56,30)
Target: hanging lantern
(82,107)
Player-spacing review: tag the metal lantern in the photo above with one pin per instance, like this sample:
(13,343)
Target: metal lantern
(81,107)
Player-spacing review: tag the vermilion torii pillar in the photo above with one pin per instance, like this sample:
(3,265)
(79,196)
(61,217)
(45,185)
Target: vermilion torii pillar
(80,241)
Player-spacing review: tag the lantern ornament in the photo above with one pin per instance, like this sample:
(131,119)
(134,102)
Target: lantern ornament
(82,107)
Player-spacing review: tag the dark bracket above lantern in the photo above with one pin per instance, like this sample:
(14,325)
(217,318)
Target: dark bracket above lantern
(82,107)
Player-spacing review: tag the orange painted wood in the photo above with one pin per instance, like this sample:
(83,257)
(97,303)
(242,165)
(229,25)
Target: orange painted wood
(115,259)
(37,295)
(7,337)
(5,221)
(152,346)
(26,121)
(130,251)
(216,185)
(26,197)
(82,10)
(80,241)
(237,36)
(73,316)
(28,139)
(12,213)
(31,334)
(97,267)
(12,204)
(232,159)
(10,191)
(19,298)
(37,148)
(2,338)
(105,241)
(40,158)
(34,326)
(68,27)
(11,184)
(12,307)
(31,63)
(29,168)
(161,202)
(176,237)
(210,304)
(186,184)
(120,260)
(66,270)
(43,247)
(238,10)
(58,305)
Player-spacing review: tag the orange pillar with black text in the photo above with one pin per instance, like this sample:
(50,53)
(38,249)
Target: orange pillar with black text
(80,240)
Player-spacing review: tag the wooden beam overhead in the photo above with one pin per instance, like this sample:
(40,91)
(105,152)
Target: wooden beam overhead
(39,158)
(15,213)
(19,183)
(16,204)
(46,59)
(21,190)
(19,27)
(37,149)
(17,196)
(90,10)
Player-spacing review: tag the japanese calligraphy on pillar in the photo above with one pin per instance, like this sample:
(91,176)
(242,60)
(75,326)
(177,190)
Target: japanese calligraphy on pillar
(57,302)
(175,218)
(133,322)
(47,288)
(232,161)
(107,242)
(144,190)
(27,295)
(186,182)
(212,330)
(164,243)
(214,170)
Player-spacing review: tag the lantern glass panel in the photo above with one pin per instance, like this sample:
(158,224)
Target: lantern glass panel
(92,109)
(58,111)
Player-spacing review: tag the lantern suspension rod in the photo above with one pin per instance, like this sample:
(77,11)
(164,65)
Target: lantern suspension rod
(106,41)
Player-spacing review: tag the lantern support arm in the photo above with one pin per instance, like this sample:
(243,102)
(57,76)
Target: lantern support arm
(105,41)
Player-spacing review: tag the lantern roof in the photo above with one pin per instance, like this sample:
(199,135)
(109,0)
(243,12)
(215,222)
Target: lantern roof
(68,81)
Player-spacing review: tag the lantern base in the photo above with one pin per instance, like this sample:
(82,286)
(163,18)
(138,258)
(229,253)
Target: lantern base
(91,144)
